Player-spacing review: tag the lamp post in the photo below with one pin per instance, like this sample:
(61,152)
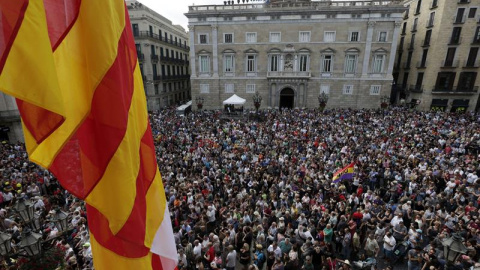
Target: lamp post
(257,101)
(453,247)
(199,101)
(384,102)
(322,100)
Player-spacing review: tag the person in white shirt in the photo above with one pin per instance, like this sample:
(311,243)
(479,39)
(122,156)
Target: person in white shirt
(231,258)
(396,219)
(197,249)
(389,245)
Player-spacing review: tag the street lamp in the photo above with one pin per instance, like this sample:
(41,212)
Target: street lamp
(257,100)
(199,101)
(322,100)
(25,209)
(31,243)
(60,220)
(5,244)
(453,247)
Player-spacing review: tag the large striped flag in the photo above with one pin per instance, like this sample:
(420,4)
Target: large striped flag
(72,66)
(344,173)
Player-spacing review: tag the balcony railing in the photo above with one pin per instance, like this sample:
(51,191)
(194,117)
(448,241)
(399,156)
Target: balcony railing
(141,57)
(471,64)
(421,64)
(273,74)
(457,90)
(154,58)
(449,64)
(415,88)
(463,1)
(430,23)
(455,41)
(173,60)
(293,5)
(148,34)
(459,19)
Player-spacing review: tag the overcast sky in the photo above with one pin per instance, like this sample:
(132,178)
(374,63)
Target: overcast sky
(174,10)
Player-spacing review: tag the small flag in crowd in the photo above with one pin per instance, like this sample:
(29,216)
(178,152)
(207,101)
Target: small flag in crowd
(345,173)
(72,67)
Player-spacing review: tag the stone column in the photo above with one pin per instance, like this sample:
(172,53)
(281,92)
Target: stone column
(393,50)
(368,48)
(193,61)
(215,49)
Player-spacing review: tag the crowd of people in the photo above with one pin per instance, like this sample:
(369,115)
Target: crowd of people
(258,195)
(262,191)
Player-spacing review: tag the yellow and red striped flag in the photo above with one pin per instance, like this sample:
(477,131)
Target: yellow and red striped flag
(72,67)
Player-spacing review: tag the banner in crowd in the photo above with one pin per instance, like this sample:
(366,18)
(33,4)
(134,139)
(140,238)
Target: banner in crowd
(72,67)
(345,173)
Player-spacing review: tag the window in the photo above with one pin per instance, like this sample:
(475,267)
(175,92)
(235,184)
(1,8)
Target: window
(347,89)
(409,59)
(418,84)
(354,36)
(304,36)
(382,36)
(404,28)
(204,88)
(229,88)
(412,41)
(472,12)
(460,17)
(327,63)
(251,63)
(203,38)
(455,39)
(423,63)
(250,89)
(414,26)
(419,6)
(304,63)
(431,20)
(378,61)
(274,62)
(350,63)
(228,38)
(325,88)
(476,38)
(204,63)
(466,82)
(329,36)
(434,3)
(251,37)
(375,90)
(428,36)
(450,56)
(275,37)
(472,57)
(228,63)
(445,81)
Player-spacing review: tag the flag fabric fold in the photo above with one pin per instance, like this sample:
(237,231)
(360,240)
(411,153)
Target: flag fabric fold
(85,119)
(346,173)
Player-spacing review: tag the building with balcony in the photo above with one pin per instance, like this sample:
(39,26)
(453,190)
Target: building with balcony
(291,51)
(163,56)
(437,64)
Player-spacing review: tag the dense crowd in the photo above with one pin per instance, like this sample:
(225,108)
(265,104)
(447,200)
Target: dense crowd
(259,195)
(248,194)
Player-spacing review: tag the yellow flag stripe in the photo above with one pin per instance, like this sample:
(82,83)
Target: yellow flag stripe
(156,203)
(95,38)
(118,181)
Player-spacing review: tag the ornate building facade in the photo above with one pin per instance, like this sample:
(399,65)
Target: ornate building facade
(291,51)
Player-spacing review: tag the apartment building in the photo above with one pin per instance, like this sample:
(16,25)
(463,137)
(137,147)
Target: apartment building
(163,55)
(291,51)
(437,64)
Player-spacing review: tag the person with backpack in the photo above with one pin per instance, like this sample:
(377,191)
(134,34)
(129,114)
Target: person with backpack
(259,257)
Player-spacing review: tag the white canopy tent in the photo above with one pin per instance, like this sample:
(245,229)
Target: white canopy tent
(234,100)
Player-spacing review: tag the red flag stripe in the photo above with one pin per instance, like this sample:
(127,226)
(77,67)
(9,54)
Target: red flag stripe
(61,16)
(104,127)
(12,14)
(129,241)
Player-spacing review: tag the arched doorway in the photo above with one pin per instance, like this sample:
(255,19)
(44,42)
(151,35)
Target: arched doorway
(287,98)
